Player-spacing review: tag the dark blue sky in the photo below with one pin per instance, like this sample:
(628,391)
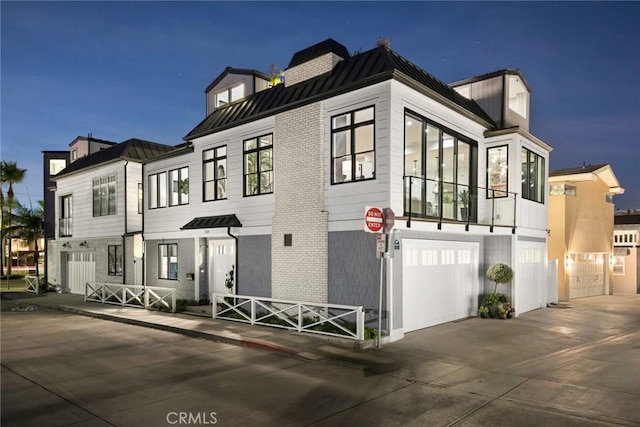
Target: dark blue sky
(139,69)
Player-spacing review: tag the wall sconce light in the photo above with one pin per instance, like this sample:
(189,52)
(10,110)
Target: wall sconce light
(568,261)
(66,244)
(612,260)
(83,244)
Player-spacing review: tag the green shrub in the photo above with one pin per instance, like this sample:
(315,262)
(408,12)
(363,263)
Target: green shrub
(499,273)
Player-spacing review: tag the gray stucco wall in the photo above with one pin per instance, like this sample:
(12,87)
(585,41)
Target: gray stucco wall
(496,249)
(186,264)
(354,271)
(254,266)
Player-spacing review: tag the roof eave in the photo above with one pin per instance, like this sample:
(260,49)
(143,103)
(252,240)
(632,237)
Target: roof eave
(188,148)
(521,132)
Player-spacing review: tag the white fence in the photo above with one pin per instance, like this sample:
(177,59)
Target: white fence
(32,283)
(552,281)
(150,297)
(344,321)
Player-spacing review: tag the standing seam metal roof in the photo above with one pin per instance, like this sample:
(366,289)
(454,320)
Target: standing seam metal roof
(358,71)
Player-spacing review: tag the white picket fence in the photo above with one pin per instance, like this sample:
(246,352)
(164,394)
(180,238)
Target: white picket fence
(32,283)
(345,321)
(149,297)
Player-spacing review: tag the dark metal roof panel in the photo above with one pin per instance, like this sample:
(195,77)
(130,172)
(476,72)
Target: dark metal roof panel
(217,221)
(349,74)
(324,47)
(626,218)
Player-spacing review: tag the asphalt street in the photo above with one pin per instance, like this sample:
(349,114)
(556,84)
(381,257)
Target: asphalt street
(577,366)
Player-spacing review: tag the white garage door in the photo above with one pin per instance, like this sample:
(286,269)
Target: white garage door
(530,277)
(440,282)
(81,268)
(586,275)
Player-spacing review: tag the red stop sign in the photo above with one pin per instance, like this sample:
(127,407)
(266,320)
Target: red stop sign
(373,220)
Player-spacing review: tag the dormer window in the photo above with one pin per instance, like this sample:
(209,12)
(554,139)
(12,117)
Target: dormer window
(517,96)
(229,95)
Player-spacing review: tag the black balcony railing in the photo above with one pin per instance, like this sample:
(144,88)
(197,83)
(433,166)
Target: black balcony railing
(442,201)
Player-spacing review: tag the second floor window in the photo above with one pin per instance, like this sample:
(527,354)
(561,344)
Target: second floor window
(104,195)
(158,190)
(66,216)
(179,179)
(214,172)
(533,170)
(258,165)
(228,95)
(353,146)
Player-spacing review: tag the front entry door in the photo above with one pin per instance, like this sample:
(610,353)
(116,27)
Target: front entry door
(222,258)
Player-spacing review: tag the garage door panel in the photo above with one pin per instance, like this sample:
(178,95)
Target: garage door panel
(586,275)
(81,268)
(440,282)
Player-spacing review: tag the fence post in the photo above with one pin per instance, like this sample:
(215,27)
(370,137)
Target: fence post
(214,305)
(360,324)
(124,294)
(173,300)
(300,323)
(146,299)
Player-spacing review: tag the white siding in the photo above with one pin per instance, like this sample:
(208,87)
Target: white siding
(532,215)
(80,186)
(255,212)
(134,176)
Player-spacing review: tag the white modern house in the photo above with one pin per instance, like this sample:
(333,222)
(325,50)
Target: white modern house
(98,214)
(280,178)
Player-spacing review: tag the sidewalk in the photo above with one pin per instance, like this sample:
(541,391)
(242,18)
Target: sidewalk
(266,338)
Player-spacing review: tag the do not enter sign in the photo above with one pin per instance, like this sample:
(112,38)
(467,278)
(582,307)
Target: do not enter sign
(373,220)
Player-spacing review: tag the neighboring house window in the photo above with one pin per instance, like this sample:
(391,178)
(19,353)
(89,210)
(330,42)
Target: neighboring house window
(353,155)
(140,198)
(179,179)
(56,165)
(562,190)
(66,216)
(115,260)
(440,168)
(168,261)
(533,184)
(104,195)
(497,171)
(608,198)
(258,165)
(226,96)
(158,190)
(618,265)
(74,155)
(214,171)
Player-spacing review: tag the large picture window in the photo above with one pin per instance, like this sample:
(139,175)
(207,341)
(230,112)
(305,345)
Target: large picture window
(533,182)
(353,146)
(115,260)
(258,165)
(168,261)
(497,171)
(158,190)
(214,172)
(104,195)
(440,168)
(179,179)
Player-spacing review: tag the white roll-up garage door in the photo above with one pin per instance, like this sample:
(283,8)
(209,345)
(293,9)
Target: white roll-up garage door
(440,282)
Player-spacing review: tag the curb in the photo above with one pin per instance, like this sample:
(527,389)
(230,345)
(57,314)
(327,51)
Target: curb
(243,342)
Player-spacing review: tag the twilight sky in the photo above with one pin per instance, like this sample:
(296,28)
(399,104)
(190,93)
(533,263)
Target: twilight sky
(121,70)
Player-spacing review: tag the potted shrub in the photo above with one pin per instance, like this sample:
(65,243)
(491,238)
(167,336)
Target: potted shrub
(483,311)
(499,273)
(491,302)
(502,312)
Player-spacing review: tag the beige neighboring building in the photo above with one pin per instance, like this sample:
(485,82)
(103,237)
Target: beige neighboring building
(581,215)
(626,253)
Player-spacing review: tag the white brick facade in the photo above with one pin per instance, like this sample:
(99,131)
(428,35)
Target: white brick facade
(315,67)
(300,271)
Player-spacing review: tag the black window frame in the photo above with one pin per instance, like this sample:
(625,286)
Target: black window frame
(110,183)
(539,187)
(492,193)
(182,200)
(258,150)
(352,127)
(114,260)
(219,182)
(157,177)
(140,198)
(65,219)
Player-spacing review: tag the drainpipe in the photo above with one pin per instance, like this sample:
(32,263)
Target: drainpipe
(236,255)
(124,264)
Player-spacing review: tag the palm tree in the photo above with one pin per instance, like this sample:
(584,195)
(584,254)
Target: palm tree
(11,174)
(29,225)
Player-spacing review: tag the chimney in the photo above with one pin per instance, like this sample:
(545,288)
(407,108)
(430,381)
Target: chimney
(314,61)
